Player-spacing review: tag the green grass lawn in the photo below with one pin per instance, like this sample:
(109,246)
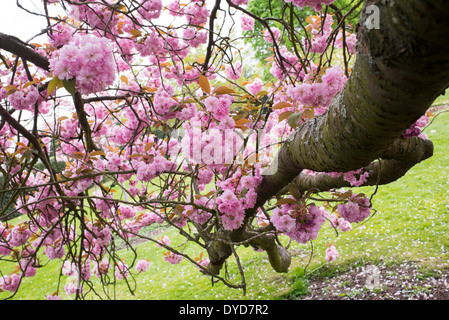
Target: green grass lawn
(411,224)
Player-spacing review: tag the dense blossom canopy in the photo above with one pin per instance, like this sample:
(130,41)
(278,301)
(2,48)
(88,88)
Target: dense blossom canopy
(150,114)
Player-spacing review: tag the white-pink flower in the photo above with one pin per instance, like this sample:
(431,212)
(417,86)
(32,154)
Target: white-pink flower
(234,71)
(255,86)
(142,265)
(331,253)
(172,258)
(247,23)
(87,59)
(10,283)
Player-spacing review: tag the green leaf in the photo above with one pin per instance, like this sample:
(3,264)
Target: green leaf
(69,85)
(174,108)
(284,115)
(294,119)
(53,85)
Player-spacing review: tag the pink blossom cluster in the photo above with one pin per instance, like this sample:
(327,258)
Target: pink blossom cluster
(61,34)
(121,270)
(147,170)
(255,86)
(331,253)
(166,107)
(356,210)
(204,262)
(55,251)
(22,240)
(172,258)
(49,208)
(340,223)
(218,106)
(100,268)
(69,128)
(13,236)
(320,29)
(231,209)
(240,2)
(177,48)
(234,71)
(87,59)
(197,12)
(198,215)
(416,128)
(164,241)
(96,15)
(193,37)
(72,269)
(350,40)
(262,219)
(3,93)
(69,269)
(247,23)
(150,9)
(300,223)
(237,196)
(269,34)
(28,263)
(25,99)
(72,287)
(292,66)
(151,45)
(315,4)
(142,265)
(351,177)
(174,8)
(4,236)
(319,93)
(96,238)
(10,282)
(356,178)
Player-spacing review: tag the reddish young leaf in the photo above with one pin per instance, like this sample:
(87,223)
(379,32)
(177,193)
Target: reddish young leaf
(204,84)
(285,115)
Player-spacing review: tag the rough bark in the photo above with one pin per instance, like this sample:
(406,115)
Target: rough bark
(23,50)
(394,163)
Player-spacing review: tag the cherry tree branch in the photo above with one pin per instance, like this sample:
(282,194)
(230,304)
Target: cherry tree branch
(211,42)
(395,163)
(23,50)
